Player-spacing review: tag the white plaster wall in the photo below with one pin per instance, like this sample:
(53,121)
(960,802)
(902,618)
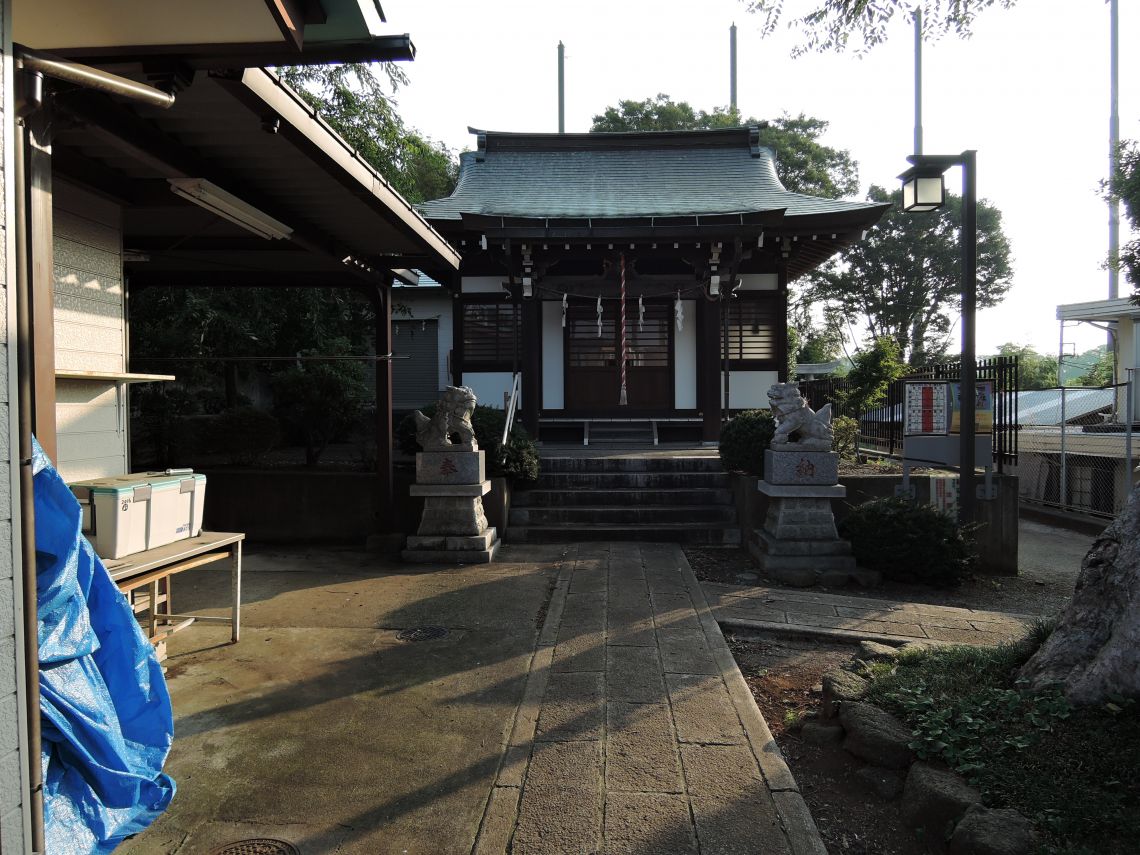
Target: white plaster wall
(685,359)
(490,386)
(482,284)
(15,823)
(553,359)
(427,304)
(90,333)
(759,281)
(748,390)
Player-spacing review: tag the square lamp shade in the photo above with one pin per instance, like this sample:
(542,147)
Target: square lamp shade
(923,193)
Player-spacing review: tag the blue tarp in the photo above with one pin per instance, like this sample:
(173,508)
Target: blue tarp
(107,720)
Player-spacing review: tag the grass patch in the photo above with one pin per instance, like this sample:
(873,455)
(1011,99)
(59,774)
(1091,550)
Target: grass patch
(1072,771)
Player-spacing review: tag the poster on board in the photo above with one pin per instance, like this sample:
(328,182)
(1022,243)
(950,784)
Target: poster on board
(927,408)
(983,407)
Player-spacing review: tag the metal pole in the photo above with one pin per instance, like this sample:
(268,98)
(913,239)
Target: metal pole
(26,403)
(918,81)
(561,88)
(732,67)
(1113,149)
(1128,432)
(1062,498)
(967,499)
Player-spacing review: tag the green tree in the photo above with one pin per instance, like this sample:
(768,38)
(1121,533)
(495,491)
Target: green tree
(1126,189)
(804,164)
(872,371)
(1034,370)
(1093,367)
(839,24)
(904,279)
(353,100)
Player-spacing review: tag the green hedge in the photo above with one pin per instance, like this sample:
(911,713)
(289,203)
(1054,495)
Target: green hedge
(521,459)
(908,542)
(743,440)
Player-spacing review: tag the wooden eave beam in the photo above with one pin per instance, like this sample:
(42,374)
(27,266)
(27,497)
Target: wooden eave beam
(289,15)
(121,128)
(203,57)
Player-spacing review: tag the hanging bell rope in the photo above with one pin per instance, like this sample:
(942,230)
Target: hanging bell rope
(623,397)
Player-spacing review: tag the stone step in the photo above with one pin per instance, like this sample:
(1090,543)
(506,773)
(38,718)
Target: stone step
(591,515)
(631,464)
(631,480)
(690,533)
(631,433)
(538,498)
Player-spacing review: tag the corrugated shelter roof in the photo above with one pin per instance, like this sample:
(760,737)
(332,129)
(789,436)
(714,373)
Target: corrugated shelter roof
(621,175)
(1043,407)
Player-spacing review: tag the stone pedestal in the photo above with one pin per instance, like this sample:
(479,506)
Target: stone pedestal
(453,527)
(798,543)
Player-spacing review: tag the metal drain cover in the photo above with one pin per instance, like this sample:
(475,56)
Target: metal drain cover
(422,633)
(258,846)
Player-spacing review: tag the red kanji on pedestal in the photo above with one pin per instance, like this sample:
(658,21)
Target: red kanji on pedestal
(447,467)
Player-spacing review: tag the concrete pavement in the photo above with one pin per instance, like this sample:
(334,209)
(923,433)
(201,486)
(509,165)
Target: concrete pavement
(854,618)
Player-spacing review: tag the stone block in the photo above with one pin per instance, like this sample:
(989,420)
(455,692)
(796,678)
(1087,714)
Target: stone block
(836,491)
(451,556)
(801,468)
(987,831)
(840,687)
(935,799)
(472,490)
(876,736)
(821,733)
(451,467)
(456,542)
(452,516)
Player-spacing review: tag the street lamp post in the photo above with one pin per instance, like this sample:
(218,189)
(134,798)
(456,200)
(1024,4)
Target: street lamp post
(924,190)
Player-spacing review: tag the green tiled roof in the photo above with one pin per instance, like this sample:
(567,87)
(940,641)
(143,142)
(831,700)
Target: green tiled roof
(624,175)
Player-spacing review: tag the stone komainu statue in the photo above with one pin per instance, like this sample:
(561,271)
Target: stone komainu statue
(812,430)
(452,416)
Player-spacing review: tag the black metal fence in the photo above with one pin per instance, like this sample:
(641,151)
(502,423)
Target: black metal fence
(881,425)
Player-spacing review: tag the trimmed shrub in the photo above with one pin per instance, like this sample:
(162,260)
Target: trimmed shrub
(521,458)
(908,542)
(743,440)
(846,431)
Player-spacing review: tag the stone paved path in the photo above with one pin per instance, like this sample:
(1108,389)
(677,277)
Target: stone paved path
(637,733)
(863,617)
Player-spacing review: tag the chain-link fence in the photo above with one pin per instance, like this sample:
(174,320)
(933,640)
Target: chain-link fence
(1077,448)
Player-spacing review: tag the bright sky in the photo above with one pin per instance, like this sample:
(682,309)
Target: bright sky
(1029,91)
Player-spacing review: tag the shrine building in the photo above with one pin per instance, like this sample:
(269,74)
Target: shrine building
(629,277)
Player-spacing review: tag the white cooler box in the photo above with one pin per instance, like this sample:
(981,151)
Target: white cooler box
(124,514)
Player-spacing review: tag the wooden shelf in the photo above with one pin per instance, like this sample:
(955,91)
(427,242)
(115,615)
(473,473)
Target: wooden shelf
(113,376)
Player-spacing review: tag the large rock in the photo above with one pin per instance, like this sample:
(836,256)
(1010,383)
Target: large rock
(875,736)
(840,687)
(983,831)
(1095,650)
(872,651)
(934,800)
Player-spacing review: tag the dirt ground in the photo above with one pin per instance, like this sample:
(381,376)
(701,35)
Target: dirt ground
(1049,560)
(784,675)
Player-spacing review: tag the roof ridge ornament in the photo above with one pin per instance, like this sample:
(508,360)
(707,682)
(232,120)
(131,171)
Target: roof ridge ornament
(481,139)
(754,140)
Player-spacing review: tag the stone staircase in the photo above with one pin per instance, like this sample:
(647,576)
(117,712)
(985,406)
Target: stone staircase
(663,499)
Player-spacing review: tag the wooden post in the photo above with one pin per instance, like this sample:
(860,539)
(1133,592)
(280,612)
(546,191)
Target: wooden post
(385,428)
(708,367)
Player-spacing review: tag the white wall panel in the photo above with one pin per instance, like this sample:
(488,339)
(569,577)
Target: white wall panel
(553,359)
(685,359)
(748,390)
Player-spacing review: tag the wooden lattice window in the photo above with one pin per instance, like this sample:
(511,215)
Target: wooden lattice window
(755,328)
(490,335)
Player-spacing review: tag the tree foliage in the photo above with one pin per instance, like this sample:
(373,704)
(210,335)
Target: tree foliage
(904,279)
(873,370)
(1125,187)
(804,164)
(353,100)
(1034,370)
(835,25)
